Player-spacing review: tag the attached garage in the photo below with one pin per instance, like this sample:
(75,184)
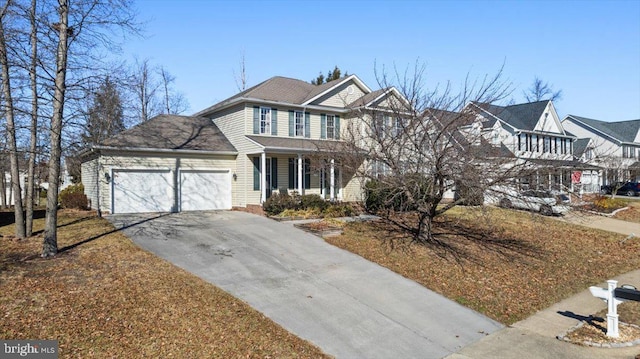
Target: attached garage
(205,190)
(167,164)
(137,191)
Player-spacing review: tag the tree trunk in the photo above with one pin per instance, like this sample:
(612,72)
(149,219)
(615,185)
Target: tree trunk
(11,130)
(50,243)
(34,121)
(3,188)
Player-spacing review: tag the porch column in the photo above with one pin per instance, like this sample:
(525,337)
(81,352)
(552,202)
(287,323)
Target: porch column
(300,176)
(549,180)
(332,181)
(263,177)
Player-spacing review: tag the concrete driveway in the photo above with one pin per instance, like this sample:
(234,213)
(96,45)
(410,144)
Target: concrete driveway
(346,305)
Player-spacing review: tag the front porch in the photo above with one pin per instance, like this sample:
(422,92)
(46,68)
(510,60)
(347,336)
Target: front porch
(297,165)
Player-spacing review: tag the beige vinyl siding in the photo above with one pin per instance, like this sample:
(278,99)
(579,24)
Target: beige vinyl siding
(147,161)
(236,122)
(340,97)
(89,174)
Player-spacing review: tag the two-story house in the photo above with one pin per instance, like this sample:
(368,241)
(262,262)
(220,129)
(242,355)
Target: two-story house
(613,146)
(235,153)
(532,132)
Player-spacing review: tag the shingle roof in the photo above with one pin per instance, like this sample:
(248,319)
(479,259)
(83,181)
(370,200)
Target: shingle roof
(173,132)
(579,146)
(624,131)
(296,144)
(364,100)
(279,89)
(522,116)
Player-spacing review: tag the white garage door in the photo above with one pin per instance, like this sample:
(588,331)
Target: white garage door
(136,191)
(205,190)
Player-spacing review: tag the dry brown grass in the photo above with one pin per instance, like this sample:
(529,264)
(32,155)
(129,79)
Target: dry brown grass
(527,264)
(107,298)
(630,215)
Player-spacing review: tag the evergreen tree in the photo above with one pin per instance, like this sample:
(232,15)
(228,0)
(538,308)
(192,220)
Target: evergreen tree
(105,115)
(332,75)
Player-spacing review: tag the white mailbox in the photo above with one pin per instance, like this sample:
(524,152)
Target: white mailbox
(614,296)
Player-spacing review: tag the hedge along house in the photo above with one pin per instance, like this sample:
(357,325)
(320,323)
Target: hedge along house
(280,125)
(167,164)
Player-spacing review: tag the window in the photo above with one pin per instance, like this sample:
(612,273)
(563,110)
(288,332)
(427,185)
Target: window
(547,144)
(293,173)
(588,154)
(331,126)
(299,123)
(397,126)
(265,120)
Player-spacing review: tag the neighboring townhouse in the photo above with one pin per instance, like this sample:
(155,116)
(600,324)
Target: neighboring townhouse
(613,146)
(532,132)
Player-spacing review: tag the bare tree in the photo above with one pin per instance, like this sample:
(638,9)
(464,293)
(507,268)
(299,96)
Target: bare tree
(11,128)
(540,91)
(50,242)
(174,101)
(241,79)
(93,24)
(145,89)
(33,140)
(419,145)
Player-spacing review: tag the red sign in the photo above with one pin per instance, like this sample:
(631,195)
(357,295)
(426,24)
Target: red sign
(576,176)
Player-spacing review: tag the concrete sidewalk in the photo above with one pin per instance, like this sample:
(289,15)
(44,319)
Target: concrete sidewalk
(535,337)
(602,222)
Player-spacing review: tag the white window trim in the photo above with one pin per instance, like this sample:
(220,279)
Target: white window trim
(331,118)
(265,120)
(295,124)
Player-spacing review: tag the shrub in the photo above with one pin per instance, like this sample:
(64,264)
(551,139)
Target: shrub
(379,197)
(73,197)
(309,201)
(279,202)
(338,210)
(607,204)
(472,196)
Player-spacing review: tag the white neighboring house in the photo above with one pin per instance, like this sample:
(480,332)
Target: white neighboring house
(614,146)
(8,191)
(532,132)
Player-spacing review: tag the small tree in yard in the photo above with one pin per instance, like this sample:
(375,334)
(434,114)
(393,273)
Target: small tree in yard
(421,144)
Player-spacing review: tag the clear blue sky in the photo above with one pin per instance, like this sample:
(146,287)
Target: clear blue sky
(588,49)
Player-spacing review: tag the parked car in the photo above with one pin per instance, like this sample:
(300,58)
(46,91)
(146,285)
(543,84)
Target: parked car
(538,201)
(628,188)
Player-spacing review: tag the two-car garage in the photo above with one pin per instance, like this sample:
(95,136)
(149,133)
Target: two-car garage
(170,163)
(161,190)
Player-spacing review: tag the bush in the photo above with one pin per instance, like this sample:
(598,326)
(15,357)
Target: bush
(336,210)
(607,204)
(378,197)
(309,201)
(74,200)
(473,196)
(278,202)
(73,197)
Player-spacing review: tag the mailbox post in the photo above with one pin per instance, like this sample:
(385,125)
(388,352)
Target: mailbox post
(614,296)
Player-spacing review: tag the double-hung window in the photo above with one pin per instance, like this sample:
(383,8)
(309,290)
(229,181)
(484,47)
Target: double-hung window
(265,120)
(331,126)
(299,123)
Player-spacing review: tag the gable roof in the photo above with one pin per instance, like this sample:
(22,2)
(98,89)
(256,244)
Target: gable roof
(579,146)
(521,116)
(285,90)
(623,131)
(172,132)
